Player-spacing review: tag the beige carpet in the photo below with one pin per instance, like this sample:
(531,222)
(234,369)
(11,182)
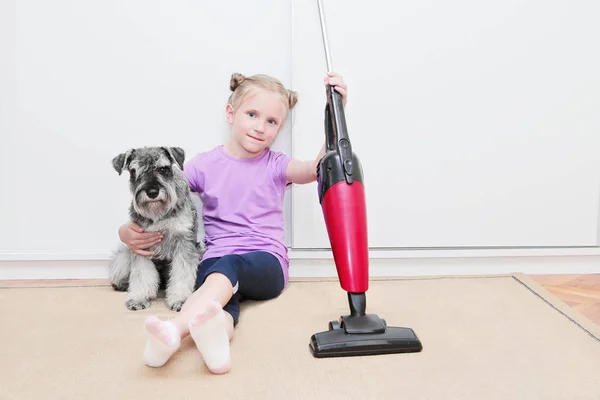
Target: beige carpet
(492,337)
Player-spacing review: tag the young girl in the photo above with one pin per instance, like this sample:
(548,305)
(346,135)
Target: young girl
(241,185)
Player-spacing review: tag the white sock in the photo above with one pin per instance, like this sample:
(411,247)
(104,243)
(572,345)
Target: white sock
(209,331)
(163,340)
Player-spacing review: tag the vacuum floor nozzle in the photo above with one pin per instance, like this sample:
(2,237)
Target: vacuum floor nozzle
(343,341)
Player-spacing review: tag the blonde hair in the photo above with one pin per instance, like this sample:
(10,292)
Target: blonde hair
(241,85)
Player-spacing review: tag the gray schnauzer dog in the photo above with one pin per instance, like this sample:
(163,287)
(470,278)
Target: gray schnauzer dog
(161,202)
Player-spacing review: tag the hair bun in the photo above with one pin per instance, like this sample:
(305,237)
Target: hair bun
(292,98)
(236,79)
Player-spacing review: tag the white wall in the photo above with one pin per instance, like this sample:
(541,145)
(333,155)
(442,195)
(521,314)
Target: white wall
(475,122)
(85,81)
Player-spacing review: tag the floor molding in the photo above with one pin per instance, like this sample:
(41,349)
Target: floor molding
(324,267)
(312,254)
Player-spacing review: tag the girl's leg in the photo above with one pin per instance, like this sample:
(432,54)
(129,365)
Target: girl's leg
(216,288)
(164,337)
(261,278)
(258,275)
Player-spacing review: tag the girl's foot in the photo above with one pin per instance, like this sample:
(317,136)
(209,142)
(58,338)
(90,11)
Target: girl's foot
(163,340)
(209,331)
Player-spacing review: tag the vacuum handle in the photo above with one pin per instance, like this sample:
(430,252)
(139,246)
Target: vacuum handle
(324,33)
(336,131)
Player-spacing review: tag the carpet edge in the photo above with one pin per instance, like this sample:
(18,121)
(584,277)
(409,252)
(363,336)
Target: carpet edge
(560,306)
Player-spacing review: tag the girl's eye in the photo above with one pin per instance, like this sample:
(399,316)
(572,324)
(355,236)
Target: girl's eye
(251,114)
(272,122)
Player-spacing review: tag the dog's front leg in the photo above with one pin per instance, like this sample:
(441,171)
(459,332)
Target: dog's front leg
(119,267)
(143,283)
(182,277)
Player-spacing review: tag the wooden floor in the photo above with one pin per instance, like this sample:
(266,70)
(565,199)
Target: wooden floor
(581,292)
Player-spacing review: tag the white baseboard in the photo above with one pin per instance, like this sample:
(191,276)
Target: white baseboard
(325,254)
(309,267)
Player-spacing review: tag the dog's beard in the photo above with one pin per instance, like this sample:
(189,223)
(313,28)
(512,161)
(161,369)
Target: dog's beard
(156,208)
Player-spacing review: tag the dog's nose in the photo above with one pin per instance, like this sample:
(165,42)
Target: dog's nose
(152,192)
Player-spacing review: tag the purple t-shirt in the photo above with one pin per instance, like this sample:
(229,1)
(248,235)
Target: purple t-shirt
(242,202)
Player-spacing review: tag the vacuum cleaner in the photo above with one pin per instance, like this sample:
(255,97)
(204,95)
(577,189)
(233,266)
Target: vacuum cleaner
(341,190)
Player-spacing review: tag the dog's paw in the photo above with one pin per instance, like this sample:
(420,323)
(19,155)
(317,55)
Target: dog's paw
(176,305)
(136,305)
(120,287)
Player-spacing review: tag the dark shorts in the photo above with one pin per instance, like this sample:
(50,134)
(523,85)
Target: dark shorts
(257,274)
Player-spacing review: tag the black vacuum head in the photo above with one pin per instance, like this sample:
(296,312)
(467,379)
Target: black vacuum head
(344,341)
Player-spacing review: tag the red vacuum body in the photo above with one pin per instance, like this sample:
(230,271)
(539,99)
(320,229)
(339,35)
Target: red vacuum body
(345,216)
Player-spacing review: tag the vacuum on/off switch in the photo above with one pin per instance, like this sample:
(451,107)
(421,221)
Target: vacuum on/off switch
(348,166)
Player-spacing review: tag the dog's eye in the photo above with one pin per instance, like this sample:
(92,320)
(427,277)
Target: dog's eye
(164,170)
(132,173)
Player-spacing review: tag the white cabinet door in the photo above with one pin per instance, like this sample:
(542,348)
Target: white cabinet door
(476,123)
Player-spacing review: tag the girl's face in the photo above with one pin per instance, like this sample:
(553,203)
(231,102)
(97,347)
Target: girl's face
(256,121)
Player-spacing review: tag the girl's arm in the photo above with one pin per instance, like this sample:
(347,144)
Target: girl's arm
(302,172)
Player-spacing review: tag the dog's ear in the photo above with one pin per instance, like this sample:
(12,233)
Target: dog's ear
(122,161)
(176,154)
